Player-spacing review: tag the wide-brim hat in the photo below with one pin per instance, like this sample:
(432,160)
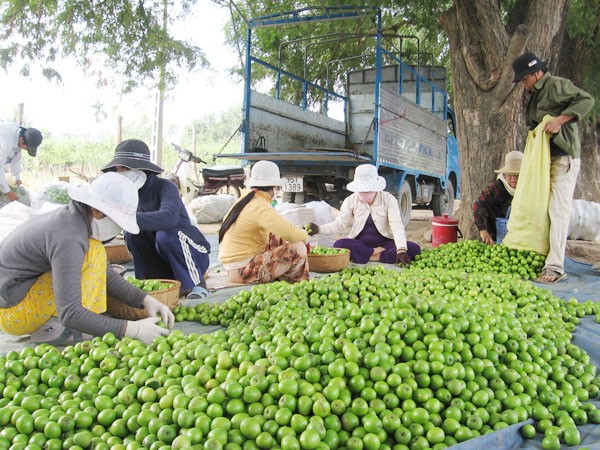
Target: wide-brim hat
(133,154)
(265,174)
(113,195)
(512,163)
(366,179)
(526,64)
(33,138)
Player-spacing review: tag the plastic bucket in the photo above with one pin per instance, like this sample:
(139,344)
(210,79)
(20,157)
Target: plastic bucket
(444,230)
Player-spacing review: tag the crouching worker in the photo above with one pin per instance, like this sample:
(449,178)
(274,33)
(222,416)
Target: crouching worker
(256,244)
(376,229)
(496,198)
(54,275)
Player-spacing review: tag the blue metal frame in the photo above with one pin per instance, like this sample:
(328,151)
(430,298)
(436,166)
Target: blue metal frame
(300,15)
(339,13)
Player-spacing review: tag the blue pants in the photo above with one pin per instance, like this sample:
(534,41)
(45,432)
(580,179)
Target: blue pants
(362,247)
(170,254)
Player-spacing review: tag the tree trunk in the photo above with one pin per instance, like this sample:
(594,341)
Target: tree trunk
(490,108)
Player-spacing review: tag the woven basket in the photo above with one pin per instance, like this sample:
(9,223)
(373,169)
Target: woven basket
(117,253)
(169,297)
(328,263)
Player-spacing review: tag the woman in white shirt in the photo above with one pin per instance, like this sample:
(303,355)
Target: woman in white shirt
(377,232)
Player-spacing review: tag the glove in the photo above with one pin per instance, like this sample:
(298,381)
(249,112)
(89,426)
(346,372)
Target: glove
(154,308)
(402,258)
(311,229)
(145,330)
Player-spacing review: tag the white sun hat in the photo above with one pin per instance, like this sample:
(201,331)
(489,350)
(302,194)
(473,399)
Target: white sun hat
(113,195)
(366,179)
(265,174)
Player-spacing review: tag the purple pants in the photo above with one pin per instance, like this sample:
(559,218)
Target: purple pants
(362,246)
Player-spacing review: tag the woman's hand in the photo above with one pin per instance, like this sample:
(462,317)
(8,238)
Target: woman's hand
(486,237)
(311,228)
(402,258)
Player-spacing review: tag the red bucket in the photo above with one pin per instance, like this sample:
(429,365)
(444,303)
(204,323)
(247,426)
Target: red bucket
(444,230)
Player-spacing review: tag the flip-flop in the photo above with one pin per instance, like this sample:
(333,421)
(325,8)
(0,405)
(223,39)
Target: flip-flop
(559,277)
(198,292)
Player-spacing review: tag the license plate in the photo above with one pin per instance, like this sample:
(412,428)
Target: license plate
(292,184)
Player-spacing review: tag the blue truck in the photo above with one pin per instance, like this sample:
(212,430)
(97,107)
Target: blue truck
(392,113)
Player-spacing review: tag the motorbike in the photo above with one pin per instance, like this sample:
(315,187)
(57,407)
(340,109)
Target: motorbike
(193,182)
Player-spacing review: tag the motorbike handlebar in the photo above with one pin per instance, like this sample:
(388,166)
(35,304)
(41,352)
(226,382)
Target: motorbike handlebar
(187,156)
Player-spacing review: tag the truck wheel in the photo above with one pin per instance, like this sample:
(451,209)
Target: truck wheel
(405,202)
(444,203)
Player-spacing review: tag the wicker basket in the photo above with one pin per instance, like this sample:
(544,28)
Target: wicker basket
(169,297)
(117,253)
(328,263)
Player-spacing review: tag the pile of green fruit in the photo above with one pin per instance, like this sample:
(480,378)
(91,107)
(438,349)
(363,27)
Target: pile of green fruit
(149,285)
(57,193)
(476,257)
(364,359)
(320,250)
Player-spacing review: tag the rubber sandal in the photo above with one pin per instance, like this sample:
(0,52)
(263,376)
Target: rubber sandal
(559,277)
(198,292)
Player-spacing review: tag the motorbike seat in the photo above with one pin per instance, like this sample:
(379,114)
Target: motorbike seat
(224,171)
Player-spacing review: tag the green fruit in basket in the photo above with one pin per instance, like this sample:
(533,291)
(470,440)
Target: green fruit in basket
(319,250)
(164,286)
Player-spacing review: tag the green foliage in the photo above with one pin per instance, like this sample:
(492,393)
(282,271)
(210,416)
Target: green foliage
(213,133)
(130,36)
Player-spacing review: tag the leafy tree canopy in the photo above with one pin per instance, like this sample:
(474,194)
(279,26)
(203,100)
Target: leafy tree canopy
(129,37)
(418,18)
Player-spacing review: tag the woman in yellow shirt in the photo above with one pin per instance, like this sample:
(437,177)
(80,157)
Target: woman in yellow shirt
(256,244)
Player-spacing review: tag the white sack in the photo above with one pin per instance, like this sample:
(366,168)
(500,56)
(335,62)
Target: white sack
(211,208)
(585,221)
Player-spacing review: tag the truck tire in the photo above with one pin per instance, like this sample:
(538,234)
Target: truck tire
(405,202)
(444,203)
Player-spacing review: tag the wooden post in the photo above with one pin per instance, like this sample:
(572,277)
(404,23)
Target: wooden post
(20,113)
(119,129)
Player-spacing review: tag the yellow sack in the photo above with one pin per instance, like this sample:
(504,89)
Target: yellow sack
(529,224)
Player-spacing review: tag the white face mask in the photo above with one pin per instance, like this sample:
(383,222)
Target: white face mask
(104,229)
(366,197)
(137,177)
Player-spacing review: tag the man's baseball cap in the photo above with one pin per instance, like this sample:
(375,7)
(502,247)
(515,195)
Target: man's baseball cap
(33,138)
(526,64)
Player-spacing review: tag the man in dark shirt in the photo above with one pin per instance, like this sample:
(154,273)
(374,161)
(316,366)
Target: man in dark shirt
(567,104)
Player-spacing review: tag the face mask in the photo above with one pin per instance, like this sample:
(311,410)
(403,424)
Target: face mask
(104,229)
(366,197)
(137,177)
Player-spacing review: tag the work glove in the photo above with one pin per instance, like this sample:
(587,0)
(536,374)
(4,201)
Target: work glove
(145,330)
(402,258)
(154,308)
(311,229)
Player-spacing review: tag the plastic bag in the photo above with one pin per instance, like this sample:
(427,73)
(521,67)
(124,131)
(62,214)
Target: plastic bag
(23,194)
(529,223)
(55,193)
